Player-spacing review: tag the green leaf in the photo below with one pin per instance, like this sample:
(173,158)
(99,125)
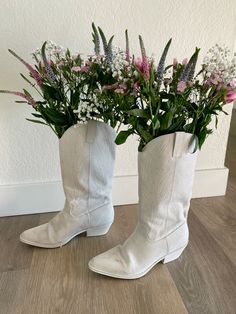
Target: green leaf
(145,135)
(139,113)
(37,115)
(36,121)
(122,136)
(54,117)
(166,120)
(51,92)
(156,123)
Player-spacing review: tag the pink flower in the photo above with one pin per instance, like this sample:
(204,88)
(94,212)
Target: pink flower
(76,69)
(27,97)
(108,87)
(84,69)
(215,79)
(119,90)
(138,63)
(185,61)
(175,62)
(181,86)
(146,68)
(135,86)
(32,71)
(135,89)
(143,66)
(230,96)
(123,86)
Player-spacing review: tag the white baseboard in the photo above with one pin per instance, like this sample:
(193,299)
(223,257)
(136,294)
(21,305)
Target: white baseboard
(43,197)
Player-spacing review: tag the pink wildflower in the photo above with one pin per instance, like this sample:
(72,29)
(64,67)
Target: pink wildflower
(230,96)
(119,90)
(185,61)
(29,99)
(123,86)
(32,71)
(175,62)
(146,68)
(143,66)
(138,63)
(84,69)
(181,86)
(135,88)
(76,69)
(108,87)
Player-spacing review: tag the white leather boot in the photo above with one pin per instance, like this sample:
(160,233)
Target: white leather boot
(166,172)
(87,155)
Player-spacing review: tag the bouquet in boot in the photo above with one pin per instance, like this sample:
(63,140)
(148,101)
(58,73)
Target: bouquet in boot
(68,88)
(169,108)
(68,85)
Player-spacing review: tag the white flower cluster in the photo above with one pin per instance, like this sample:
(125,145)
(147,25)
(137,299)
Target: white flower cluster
(52,50)
(119,63)
(218,66)
(87,106)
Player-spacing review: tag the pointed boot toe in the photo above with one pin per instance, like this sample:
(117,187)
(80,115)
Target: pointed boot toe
(35,236)
(108,263)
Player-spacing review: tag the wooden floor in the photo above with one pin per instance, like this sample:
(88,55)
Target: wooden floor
(203,280)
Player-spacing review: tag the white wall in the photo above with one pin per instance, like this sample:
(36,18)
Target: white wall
(29,152)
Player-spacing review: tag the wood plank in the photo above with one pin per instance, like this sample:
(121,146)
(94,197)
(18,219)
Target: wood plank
(59,280)
(204,275)
(10,285)
(13,254)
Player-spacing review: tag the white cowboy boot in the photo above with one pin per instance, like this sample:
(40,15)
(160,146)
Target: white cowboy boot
(87,155)
(166,172)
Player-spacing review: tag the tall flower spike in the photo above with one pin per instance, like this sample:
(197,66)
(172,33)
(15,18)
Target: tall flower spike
(50,75)
(127,52)
(188,69)
(143,51)
(104,41)
(26,96)
(145,63)
(192,69)
(109,50)
(33,72)
(107,47)
(96,40)
(161,65)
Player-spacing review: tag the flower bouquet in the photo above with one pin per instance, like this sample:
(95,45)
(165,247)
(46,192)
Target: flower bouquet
(169,107)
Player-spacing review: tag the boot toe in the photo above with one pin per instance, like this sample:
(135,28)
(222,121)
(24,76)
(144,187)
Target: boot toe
(110,264)
(36,236)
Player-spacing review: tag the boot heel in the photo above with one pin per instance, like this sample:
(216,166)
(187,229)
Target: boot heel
(172,256)
(98,231)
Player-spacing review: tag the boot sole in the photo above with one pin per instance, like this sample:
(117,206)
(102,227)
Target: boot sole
(92,232)
(165,259)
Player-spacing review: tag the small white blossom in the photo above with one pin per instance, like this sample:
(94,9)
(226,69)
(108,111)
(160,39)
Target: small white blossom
(218,67)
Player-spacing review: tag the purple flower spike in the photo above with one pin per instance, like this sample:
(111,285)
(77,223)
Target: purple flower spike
(50,75)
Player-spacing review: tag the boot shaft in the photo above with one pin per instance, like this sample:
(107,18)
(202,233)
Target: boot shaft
(166,173)
(87,156)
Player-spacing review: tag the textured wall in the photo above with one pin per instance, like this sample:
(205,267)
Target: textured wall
(28,152)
